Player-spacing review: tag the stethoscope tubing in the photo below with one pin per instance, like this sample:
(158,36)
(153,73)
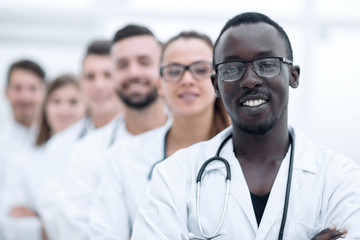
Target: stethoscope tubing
(228,179)
(288,185)
(227,191)
(215,234)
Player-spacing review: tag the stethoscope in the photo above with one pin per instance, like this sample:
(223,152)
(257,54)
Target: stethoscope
(163,158)
(217,157)
(88,123)
(114,131)
(85,127)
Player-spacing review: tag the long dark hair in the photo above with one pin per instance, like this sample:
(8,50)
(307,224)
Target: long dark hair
(221,119)
(60,82)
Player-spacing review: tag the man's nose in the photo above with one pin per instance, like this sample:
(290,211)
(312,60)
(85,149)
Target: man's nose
(250,79)
(26,93)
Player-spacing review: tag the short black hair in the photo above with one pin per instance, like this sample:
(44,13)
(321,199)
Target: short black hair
(132,30)
(98,47)
(254,17)
(28,65)
(187,35)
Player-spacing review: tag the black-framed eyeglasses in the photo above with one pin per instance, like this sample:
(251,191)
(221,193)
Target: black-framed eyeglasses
(264,67)
(174,72)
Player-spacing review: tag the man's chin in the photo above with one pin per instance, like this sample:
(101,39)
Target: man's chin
(137,104)
(256,128)
(137,101)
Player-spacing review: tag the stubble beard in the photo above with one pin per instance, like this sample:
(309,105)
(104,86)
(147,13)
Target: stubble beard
(260,127)
(136,101)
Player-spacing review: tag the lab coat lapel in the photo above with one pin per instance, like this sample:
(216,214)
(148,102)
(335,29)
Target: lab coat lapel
(274,208)
(275,204)
(239,189)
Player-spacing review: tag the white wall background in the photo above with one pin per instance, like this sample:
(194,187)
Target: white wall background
(325,35)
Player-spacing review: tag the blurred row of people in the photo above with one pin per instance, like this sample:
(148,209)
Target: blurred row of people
(119,115)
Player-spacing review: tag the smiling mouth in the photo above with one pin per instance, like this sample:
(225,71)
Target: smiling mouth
(188,95)
(254,103)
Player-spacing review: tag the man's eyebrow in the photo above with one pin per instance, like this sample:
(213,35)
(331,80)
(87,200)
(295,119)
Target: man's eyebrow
(258,55)
(120,59)
(142,56)
(265,54)
(232,58)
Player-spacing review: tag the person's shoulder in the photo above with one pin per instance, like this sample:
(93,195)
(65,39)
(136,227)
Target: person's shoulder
(147,143)
(196,154)
(318,157)
(94,137)
(68,135)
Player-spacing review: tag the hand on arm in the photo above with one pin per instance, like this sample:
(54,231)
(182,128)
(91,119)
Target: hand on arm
(43,234)
(21,211)
(330,234)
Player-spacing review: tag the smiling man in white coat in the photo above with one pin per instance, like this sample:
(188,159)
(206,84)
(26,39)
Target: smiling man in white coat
(135,60)
(280,184)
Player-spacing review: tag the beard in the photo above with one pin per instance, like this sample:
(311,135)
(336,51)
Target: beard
(262,126)
(137,101)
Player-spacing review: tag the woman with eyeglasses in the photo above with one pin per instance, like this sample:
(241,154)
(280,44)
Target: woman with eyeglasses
(186,67)
(30,187)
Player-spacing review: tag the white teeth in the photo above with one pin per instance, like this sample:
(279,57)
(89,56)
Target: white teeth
(188,95)
(254,103)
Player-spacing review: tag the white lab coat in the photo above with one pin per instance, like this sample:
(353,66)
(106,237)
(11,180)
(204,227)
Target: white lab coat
(32,181)
(81,178)
(15,139)
(325,191)
(123,184)
(16,135)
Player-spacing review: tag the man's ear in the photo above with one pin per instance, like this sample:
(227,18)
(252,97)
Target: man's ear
(214,80)
(294,76)
(7,92)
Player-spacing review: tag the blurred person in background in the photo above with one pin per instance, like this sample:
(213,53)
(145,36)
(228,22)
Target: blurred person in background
(186,66)
(31,183)
(135,61)
(25,91)
(98,86)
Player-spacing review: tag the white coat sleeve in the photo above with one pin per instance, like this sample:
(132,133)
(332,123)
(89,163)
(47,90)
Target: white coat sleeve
(15,193)
(109,217)
(75,194)
(164,214)
(343,207)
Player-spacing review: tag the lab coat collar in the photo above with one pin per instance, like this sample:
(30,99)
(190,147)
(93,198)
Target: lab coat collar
(67,135)
(24,134)
(304,150)
(304,154)
(304,160)
(277,198)
(22,127)
(241,194)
